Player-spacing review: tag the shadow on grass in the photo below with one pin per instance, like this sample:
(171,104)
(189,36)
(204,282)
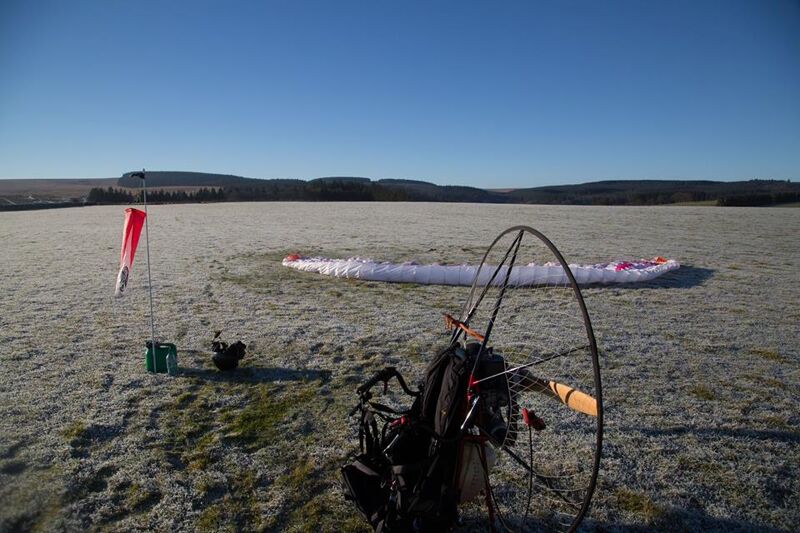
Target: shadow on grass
(738,433)
(250,374)
(685,277)
(678,519)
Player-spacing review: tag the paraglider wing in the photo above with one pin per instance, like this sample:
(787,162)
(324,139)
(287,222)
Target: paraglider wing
(522,276)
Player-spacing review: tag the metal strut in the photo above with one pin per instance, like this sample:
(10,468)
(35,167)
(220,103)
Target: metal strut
(485,341)
(149,278)
(486,287)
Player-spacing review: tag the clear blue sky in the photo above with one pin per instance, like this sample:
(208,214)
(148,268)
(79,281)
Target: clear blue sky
(492,94)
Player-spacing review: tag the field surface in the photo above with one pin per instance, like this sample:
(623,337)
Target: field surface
(700,367)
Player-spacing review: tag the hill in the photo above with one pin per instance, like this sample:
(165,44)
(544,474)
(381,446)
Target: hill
(332,188)
(160,178)
(659,192)
(423,191)
(178,187)
(610,192)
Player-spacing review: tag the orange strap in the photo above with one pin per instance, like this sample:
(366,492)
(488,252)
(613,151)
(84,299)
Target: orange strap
(451,323)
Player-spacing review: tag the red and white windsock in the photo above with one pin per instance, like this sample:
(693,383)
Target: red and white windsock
(134,220)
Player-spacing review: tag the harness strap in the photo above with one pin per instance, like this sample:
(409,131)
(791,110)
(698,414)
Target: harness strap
(386,409)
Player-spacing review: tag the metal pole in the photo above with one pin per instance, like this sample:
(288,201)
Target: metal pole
(149,279)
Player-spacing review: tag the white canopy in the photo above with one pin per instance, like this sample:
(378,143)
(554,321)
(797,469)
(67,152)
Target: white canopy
(436,274)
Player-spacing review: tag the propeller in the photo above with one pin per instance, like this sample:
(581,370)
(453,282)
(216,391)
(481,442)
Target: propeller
(569,396)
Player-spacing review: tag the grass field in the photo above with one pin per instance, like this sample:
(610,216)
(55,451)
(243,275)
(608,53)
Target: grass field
(700,367)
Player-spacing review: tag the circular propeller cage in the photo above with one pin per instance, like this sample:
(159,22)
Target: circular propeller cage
(538,378)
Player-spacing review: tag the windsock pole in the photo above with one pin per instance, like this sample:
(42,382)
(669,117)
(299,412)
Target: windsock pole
(149,279)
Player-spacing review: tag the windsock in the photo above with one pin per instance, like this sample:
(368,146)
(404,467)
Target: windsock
(134,219)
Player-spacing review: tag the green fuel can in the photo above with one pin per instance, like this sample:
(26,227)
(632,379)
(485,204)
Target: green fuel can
(158,362)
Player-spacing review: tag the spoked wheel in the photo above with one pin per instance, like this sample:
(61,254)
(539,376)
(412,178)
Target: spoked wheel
(538,379)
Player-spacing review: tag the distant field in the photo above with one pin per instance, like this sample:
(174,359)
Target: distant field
(697,204)
(57,190)
(701,368)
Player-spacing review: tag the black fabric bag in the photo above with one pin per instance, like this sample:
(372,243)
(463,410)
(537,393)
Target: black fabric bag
(404,479)
(437,497)
(363,485)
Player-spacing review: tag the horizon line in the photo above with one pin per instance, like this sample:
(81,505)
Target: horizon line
(493,187)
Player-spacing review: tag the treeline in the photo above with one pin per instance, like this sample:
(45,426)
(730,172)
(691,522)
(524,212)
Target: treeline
(313,191)
(317,191)
(660,192)
(352,189)
(619,198)
(110,195)
(755,200)
(121,196)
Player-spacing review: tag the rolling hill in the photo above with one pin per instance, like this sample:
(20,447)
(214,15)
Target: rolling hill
(180,186)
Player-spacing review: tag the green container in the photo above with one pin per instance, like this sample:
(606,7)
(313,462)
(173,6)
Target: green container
(159,364)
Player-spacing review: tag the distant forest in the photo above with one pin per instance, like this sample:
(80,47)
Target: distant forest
(111,195)
(196,187)
(661,192)
(759,199)
(333,191)
(635,192)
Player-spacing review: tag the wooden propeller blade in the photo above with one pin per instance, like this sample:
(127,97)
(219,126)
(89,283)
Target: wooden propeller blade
(573,398)
(451,323)
(569,396)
